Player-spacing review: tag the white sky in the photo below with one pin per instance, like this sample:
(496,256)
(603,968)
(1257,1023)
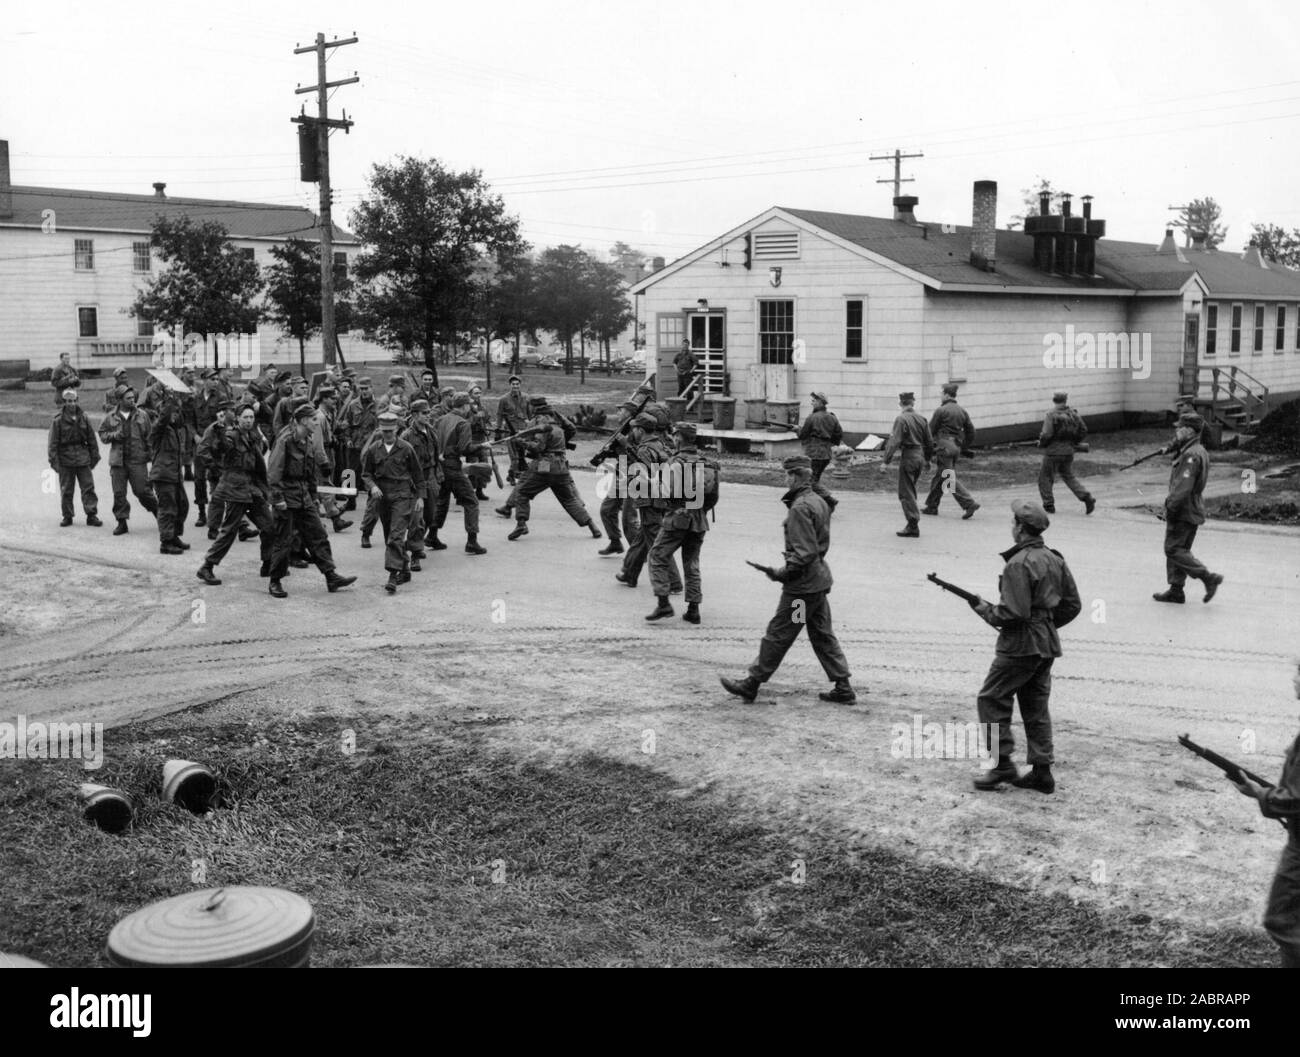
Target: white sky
(666,123)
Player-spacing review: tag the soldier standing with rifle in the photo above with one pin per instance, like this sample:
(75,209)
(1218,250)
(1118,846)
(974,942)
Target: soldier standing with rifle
(1185,511)
(911,437)
(952,432)
(805,581)
(1063,430)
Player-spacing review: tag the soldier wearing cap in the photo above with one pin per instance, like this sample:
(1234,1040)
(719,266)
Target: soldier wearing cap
(805,580)
(479,472)
(64,377)
(910,438)
(358,422)
(512,416)
(446,395)
(291,476)
(1063,430)
(427,390)
(111,393)
(820,433)
(618,504)
(204,454)
(548,467)
(683,527)
(420,435)
(126,430)
(648,452)
(456,447)
(1038,595)
(396,392)
(952,432)
(536,405)
(207,406)
(392,473)
(73,454)
(167,472)
(242,489)
(1185,511)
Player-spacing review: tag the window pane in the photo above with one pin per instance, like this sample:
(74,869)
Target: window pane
(140,256)
(716,341)
(854,313)
(775,331)
(84,254)
(853,344)
(88,322)
(1280,338)
(697,331)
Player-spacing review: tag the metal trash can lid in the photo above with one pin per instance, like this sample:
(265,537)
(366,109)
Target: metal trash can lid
(19,961)
(240,926)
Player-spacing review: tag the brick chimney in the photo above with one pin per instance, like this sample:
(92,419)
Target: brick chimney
(159,189)
(984,223)
(903,208)
(6,188)
(1198,240)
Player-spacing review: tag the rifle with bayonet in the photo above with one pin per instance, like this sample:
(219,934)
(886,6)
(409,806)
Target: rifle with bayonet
(1138,462)
(616,436)
(973,599)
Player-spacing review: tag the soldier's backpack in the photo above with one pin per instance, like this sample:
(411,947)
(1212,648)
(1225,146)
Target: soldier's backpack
(712,483)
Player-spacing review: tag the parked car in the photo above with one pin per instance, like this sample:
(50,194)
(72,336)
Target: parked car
(550,363)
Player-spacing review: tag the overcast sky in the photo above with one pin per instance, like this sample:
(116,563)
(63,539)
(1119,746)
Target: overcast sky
(664,124)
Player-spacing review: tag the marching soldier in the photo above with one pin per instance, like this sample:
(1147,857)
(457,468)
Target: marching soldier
(454,442)
(390,470)
(548,467)
(805,581)
(167,472)
(419,434)
(126,429)
(683,526)
(205,452)
(952,432)
(207,406)
(512,417)
(650,447)
(291,476)
(1063,428)
(74,454)
(242,489)
(360,421)
(1038,595)
(911,438)
(1185,511)
(820,433)
(64,377)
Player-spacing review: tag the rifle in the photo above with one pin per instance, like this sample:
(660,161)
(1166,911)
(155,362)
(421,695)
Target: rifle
(1136,462)
(973,599)
(492,458)
(611,445)
(1225,765)
(767,569)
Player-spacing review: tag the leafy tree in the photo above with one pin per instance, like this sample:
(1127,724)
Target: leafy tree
(425,228)
(611,307)
(629,261)
(293,293)
(1276,244)
(1202,214)
(564,300)
(209,286)
(1032,203)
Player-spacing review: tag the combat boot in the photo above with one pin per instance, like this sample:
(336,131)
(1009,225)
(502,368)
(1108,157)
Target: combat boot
(663,609)
(206,574)
(176,541)
(393,581)
(340,523)
(692,614)
(1040,778)
(1049,508)
(520,530)
(1089,505)
(910,531)
(404,577)
(481,495)
(248,533)
(334,581)
(365,541)
(433,542)
(1174,594)
(1005,771)
(276,591)
(614,547)
(65,522)
(415,564)
(472,545)
(121,529)
(842,694)
(746,689)
(202,520)
(970,512)
(93,521)
(625,580)
(932,512)
(169,547)
(505,512)
(1212,581)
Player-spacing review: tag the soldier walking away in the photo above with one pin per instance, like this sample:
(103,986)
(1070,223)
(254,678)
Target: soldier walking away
(820,433)
(911,438)
(651,451)
(453,434)
(392,473)
(686,365)
(1185,511)
(683,527)
(242,489)
(167,472)
(64,377)
(126,430)
(73,455)
(1038,596)
(548,467)
(291,476)
(1063,430)
(1282,801)
(805,581)
(953,432)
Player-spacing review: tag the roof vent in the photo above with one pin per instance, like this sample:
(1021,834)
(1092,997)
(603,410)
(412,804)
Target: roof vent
(158,190)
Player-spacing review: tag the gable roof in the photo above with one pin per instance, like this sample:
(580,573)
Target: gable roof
(941,260)
(109,211)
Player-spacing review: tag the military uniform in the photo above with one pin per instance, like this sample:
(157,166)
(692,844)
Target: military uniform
(397,473)
(241,490)
(64,376)
(359,421)
(454,443)
(548,467)
(128,460)
(425,443)
(1063,428)
(291,477)
(167,473)
(74,453)
(1282,915)
(819,434)
(650,454)
(911,439)
(1184,514)
(952,431)
(1037,592)
(512,416)
(682,528)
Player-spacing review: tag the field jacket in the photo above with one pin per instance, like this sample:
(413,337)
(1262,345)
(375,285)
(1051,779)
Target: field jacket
(1034,583)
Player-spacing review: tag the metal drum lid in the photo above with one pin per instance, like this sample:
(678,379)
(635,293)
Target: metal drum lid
(236,927)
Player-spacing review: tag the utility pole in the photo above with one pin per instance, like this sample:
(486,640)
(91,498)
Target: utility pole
(329,340)
(897,157)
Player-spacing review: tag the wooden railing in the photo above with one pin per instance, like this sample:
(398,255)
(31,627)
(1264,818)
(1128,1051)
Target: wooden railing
(1231,386)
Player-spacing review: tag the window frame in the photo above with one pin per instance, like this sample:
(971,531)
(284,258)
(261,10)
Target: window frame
(1257,338)
(137,257)
(1211,329)
(760,333)
(1279,332)
(861,328)
(83,255)
(94,309)
(1236,319)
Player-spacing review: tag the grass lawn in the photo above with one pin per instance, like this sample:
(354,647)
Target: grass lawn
(423,847)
